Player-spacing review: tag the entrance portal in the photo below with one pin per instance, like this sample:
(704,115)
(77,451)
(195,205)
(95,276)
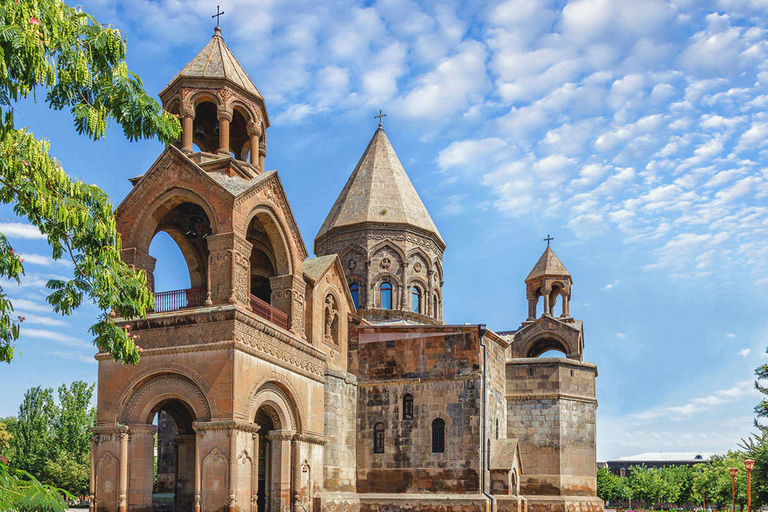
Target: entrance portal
(267,420)
(174,474)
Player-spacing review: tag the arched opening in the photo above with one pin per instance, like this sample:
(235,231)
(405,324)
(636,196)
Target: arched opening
(386,295)
(331,329)
(186,226)
(378,438)
(205,127)
(415,299)
(238,133)
(556,291)
(267,421)
(438,435)
(545,347)
(263,262)
(174,468)
(408,406)
(354,290)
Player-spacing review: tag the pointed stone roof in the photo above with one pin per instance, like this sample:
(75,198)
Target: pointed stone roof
(548,265)
(216,60)
(380,191)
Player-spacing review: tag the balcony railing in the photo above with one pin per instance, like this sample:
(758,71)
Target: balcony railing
(179,299)
(269,312)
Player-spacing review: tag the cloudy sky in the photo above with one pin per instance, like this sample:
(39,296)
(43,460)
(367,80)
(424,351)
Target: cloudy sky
(634,132)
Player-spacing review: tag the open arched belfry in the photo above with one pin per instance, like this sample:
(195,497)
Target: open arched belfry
(280,382)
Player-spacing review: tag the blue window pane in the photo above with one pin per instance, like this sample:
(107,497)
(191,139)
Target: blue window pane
(386,296)
(415,300)
(355,291)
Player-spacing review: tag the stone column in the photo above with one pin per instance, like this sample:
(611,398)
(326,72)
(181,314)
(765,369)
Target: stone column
(123,489)
(92,484)
(296,475)
(288,297)
(532,308)
(281,469)
(187,121)
(255,473)
(262,154)
(566,306)
(140,260)
(232,470)
(228,268)
(198,479)
(254,132)
(225,117)
(546,303)
(141,453)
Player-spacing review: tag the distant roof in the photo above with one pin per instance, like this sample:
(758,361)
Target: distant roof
(548,265)
(667,457)
(379,190)
(216,60)
(314,267)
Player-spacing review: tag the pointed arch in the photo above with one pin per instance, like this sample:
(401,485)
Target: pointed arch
(392,246)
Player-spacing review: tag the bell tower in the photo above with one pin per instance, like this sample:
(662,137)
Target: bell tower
(221,110)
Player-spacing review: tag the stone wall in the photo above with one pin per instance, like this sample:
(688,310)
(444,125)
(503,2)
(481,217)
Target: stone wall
(340,457)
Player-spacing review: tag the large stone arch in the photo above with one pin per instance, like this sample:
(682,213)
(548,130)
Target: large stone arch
(145,227)
(275,391)
(140,405)
(543,342)
(279,236)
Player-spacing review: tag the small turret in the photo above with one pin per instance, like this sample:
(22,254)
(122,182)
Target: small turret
(548,279)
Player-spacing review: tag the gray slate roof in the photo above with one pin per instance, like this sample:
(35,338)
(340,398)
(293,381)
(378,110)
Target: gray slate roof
(315,267)
(548,265)
(379,191)
(216,60)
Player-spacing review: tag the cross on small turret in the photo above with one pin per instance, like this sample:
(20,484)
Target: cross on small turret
(379,117)
(217,15)
(548,239)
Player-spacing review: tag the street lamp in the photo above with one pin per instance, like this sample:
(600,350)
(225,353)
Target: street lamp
(734,472)
(749,464)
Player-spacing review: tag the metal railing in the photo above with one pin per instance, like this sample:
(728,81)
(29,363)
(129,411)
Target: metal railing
(269,312)
(179,299)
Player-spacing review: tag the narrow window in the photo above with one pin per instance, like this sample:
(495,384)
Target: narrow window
(415,300)
(438,436)
(408,406)
(434,306)
(354,289)
(386,296)
(378,438)
(497,428)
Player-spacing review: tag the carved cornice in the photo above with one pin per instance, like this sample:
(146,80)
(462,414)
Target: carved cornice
(308,438)
(522,397)
(229,425)
(281,435)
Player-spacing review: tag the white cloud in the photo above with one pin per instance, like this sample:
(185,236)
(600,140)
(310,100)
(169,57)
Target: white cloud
(700,405)
(21,230)
(48,335)
(730,335)
(745,352)
(81,358)
(39,259)
(621,335)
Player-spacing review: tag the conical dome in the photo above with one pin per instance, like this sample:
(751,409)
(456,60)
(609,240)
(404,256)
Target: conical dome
(379,191)
(548,265)
(216,60)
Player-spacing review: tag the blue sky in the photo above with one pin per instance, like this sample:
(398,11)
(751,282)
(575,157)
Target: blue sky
(635,132)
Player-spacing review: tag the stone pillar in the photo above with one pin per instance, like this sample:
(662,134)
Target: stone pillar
(532,308)
(198,479)
(546,304)
(141,453)
(123,482)
(296,475)
(140,260)
(254,132)
(225,117)
(288,297)
(566,306)
(92,484)
(228,269)
(232,470)
(262,154)
(255,473)
(187,121)
(281,469)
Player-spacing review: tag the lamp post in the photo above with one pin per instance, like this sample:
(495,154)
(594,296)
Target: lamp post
(734,472)
(749,464)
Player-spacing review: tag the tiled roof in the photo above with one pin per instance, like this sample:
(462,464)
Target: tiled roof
(548,265)
(379,190)
(216,60)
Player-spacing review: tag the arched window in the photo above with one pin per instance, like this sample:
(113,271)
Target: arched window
(438,435)
(386,296)
(378,438)
(415,300)
(408,406)
(354,289)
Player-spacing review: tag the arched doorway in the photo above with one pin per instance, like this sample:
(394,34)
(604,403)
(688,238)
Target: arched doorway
(173,488)
(267,421)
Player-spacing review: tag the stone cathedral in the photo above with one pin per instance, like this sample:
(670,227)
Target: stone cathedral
(283,382)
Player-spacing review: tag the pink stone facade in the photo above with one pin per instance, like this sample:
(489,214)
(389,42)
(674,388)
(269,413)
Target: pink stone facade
(281,382)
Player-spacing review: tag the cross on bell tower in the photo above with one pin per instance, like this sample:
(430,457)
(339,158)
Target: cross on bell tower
(217,15)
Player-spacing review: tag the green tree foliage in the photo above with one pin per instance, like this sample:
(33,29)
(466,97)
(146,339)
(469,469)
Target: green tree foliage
(20,491)
(80,65)
(52,441)
(612,488)
(5,436)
